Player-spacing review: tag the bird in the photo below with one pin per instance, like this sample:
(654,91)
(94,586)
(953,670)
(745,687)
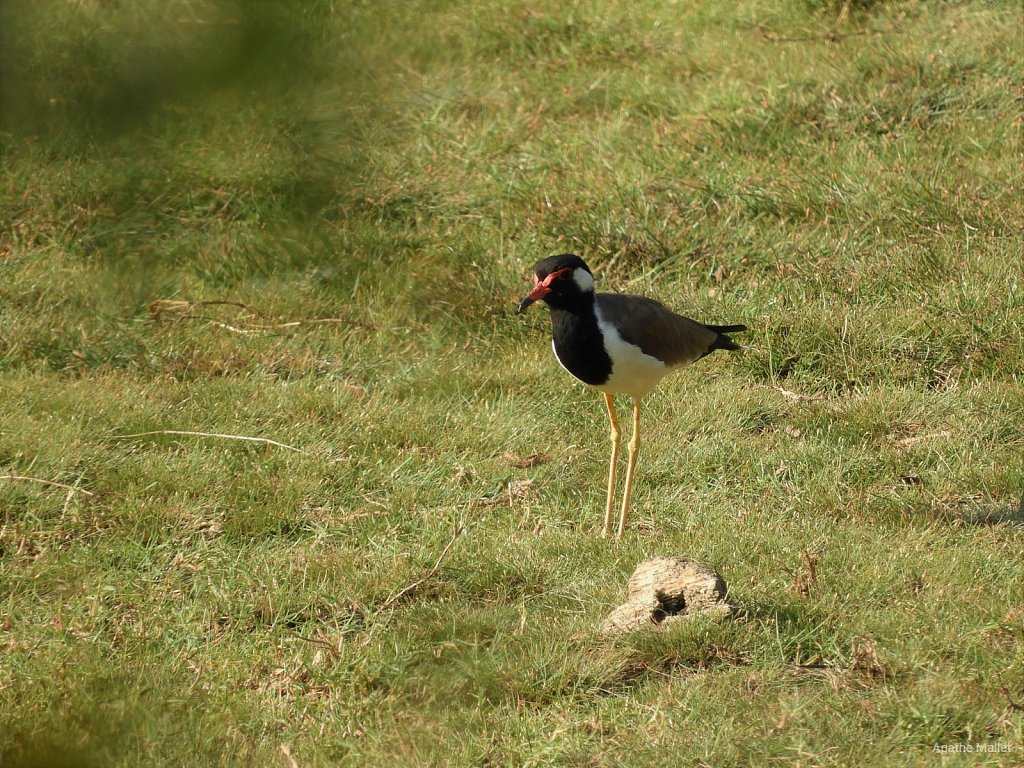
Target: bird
(618,344)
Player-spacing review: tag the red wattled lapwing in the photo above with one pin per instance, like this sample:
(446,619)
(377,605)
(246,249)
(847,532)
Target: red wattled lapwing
(617,344)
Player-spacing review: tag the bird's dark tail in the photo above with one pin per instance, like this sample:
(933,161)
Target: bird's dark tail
(723,341)
(726,328)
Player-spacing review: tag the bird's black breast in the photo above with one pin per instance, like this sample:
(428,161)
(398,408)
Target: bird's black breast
(579,346)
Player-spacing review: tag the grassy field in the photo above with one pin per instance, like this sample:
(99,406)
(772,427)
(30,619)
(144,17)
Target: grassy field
(310,223)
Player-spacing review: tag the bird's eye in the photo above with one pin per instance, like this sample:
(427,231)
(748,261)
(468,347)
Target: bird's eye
(556,275)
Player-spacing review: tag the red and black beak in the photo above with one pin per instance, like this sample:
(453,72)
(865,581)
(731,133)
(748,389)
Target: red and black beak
(541,289)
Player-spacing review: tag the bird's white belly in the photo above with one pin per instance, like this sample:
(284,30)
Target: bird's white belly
(634,372)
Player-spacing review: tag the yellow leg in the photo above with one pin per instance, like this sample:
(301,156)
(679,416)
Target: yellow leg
(634,449)
(616,435)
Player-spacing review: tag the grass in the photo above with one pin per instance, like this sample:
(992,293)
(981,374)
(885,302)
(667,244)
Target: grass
(183,181)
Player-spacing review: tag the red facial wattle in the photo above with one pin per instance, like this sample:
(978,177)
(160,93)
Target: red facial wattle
(541,288)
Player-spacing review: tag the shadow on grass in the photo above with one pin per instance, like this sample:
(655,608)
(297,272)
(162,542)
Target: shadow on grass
(46,754)
(985,515)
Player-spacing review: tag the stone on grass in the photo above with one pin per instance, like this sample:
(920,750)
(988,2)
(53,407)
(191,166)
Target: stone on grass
(664,590)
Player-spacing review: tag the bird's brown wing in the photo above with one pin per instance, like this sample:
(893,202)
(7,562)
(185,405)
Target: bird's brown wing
(659,332)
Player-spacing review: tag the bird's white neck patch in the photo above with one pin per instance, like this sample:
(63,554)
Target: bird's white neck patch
(583,280)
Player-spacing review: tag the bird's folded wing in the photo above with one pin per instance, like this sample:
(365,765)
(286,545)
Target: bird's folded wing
(659,332)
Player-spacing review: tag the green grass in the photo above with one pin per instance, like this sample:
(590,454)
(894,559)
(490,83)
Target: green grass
(845,178)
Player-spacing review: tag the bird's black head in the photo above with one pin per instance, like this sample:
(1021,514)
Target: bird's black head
(562,282)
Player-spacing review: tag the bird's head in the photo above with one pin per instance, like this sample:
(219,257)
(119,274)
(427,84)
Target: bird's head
(561,281)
